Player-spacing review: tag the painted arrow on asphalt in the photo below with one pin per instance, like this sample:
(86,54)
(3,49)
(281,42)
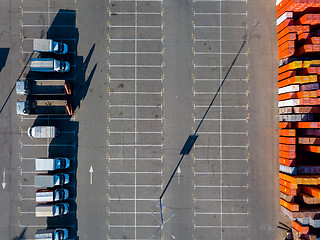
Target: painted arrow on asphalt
(4,179)
(91,172)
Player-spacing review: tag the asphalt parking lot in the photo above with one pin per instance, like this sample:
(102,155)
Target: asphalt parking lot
(143,75)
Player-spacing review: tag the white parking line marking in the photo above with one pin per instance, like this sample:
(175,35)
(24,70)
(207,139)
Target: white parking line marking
(133,106)
(219,186)
(224,146)
(160,53)
(220,173)
(135,145)
(135,186)
(46,25)
(142,93)
(216,66)
(133,226)
(217,79)
(132,79)
(207,13)
(45,12)
(220,93)
(224,119)
(139,39)
(218,159)
(223,226)
(220,200)
(138,159)
(134,66)
(133,13)
(218,213)
(127,26)
(134,199)
(232,133)
(217,53)
(27,199)
(133,119)
(224,106)
(135,172)
(47,145)
(216,40)
(148,213)
(228,27)
(124,132)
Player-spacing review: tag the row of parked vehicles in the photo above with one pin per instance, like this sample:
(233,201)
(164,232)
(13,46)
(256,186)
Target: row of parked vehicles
(51,181)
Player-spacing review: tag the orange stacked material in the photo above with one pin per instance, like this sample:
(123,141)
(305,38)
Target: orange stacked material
(298,35)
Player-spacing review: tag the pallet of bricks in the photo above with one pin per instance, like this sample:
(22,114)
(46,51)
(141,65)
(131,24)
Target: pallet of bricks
(298,32)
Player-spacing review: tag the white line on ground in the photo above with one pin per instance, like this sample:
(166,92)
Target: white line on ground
(135,186)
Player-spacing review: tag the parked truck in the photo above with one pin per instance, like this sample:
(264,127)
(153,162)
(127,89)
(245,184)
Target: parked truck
(44,107)
(49,65)
(51,164)
(43,87)
(50,181)
(51,195)
(52,234)
(48,45)
(52,209)
(42,132)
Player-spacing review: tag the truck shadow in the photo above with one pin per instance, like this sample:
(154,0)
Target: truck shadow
(4,52)
(21,235)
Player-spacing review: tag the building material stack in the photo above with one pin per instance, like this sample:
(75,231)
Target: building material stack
(298,33)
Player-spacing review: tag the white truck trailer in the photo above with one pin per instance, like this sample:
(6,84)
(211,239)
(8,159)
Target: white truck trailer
(50,181)
(51,164)
(51,195)
(42,132)
(48,45)
(52,234)
(52,209)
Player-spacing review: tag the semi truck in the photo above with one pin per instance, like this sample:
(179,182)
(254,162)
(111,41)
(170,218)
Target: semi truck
(52,234)
(44,107)
(42,132)
(43,87)
(51,195)
(51,164)
(48,45)
(49,65)
(50,181)
(52,209)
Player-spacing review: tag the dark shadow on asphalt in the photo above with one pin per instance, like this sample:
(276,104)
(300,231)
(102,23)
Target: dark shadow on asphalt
(4,52)
(21,236)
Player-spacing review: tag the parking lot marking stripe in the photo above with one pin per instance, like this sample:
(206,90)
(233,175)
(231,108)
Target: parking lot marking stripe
(133,199)
(220,93)
(132,159)
(224,106)
(228,27)
(142,93)
(51,12)
(220,199)
(135,1)
(216,40)
(134,186)
(135,145)
(222,226)
(43,226)
(127,26)
(215,66)
(220,173)
(218,159)
(138,13)
(139,39)
(224,119)
(47,145)
(217,79)
(133,119)
(148,213)
(46,25)
(207,13)
(133,226)
(218,213)
(26,199)
(224,146)
(124,132)
(219,0)
(138,106)
(132,79)
(135,172)
(134,66)
(160,53)
(27,212)
(217,53)
(218,186)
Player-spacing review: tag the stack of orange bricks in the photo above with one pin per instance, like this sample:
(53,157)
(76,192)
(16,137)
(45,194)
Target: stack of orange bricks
(298,32)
